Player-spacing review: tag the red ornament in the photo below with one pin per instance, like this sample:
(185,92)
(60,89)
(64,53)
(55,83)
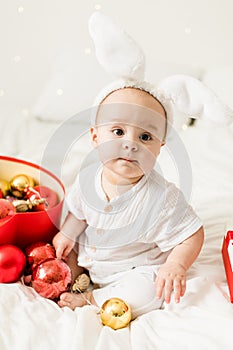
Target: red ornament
(51,278)
(12,263)
(6,208)
(47,193)
(33,195)
(37,253)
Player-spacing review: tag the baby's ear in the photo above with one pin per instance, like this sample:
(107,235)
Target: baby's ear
(163,143)
(93,132)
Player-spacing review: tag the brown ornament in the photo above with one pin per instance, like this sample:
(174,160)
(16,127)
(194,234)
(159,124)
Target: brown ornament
(81,283)
(115,313)
(22,205)
(19,183)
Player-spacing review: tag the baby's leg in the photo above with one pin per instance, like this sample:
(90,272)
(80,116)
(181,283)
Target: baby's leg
(136,287)
(73,300)
(76,270)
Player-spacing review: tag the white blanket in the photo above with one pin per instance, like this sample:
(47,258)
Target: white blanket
(203,319)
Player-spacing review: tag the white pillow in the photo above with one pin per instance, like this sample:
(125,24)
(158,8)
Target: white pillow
(158,70)
(220,80)
(77,78)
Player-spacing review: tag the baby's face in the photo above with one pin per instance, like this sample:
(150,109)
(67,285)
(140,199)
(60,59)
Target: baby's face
(131,126)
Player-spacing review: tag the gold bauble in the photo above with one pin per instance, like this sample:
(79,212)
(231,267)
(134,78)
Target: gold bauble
(18,184)
(4,187)
(115,313)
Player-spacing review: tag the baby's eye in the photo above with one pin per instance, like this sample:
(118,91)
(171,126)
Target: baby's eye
(118,132)
(145,137)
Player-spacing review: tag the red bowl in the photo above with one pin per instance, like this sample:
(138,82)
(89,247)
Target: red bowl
(23,229)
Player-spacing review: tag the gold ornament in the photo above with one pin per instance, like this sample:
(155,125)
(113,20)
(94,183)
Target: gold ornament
(4,187)
(18,184)
(81,283)
(115,313)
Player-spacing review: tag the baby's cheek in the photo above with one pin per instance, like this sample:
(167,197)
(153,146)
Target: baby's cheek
(148,160)
(108,151)
(148,165)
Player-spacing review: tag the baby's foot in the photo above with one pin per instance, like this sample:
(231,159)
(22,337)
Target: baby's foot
(72,300)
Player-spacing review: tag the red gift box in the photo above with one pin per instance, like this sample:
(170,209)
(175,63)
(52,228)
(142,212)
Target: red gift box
(227,254)
(23,229)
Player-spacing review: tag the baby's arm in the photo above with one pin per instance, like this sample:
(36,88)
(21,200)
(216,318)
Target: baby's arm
(64,240)
(172,274)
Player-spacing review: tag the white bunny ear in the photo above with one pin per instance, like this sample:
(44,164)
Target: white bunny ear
(121,56)
(193,98)
(116,51)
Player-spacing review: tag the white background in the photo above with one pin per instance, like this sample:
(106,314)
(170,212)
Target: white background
(33,33)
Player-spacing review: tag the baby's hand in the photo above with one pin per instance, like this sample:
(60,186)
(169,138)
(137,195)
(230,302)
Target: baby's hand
(63,245)
(171,276)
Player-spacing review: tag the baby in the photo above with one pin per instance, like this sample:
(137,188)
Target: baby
(136,234)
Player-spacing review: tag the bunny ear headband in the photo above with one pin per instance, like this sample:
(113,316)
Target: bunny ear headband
(120,56)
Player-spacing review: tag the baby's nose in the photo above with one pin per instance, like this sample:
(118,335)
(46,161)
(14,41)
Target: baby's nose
(130,145)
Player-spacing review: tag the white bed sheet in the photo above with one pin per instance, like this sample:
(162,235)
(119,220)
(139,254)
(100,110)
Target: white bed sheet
(204,318)
(202,321)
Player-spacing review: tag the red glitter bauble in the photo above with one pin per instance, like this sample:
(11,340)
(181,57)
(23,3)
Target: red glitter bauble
(51,278)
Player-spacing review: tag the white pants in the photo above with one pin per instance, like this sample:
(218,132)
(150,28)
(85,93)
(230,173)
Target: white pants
(136,287)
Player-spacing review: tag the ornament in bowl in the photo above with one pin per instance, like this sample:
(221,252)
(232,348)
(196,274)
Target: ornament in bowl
(37,196)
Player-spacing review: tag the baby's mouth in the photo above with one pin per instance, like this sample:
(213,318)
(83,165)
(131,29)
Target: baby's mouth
(128,160)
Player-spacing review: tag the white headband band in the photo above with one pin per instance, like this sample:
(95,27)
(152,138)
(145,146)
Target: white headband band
(121,56)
